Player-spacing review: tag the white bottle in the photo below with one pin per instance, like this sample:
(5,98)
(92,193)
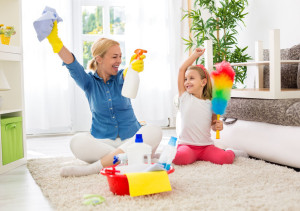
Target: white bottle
(168,153)
(132,78)
(137,151)
(131,83)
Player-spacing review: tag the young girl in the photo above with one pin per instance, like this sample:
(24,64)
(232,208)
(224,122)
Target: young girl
(195,118)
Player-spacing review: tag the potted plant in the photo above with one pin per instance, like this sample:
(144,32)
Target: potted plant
(220,27)
(1,31)
(8,32)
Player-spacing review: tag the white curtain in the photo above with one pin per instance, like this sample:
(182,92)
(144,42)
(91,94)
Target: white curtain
(47,87)
(156,27)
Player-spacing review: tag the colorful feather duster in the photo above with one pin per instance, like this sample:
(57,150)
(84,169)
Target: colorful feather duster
(223,79)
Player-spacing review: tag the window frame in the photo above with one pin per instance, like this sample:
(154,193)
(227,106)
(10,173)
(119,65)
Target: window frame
(79,37)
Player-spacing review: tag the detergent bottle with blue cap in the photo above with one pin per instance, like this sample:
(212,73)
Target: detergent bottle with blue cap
(168,153)
(137,151)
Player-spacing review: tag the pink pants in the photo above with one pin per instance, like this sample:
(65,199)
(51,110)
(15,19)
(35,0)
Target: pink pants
(187,154)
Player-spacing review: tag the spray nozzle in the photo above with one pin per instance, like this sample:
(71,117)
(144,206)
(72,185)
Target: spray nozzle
(139,52)
(120,157)
(116,159)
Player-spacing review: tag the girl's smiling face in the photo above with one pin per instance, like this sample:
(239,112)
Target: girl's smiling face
(193,83)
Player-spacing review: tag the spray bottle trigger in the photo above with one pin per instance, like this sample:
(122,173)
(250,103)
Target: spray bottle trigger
(139,53)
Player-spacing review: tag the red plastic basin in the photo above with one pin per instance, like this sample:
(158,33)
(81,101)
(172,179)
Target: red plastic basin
(118,183)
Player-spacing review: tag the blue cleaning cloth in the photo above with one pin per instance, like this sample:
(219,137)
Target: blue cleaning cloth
(43,26)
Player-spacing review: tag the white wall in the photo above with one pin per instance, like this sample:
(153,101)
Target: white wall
(265,15)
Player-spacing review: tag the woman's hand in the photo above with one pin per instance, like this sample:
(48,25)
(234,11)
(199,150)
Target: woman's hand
(217,125)
(137,65)
(54,40)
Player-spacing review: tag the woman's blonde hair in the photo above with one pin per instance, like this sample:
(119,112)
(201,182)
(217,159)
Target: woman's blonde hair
(207,89)
(99,48)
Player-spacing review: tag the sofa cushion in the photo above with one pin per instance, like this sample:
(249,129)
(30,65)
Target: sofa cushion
(290,73)
(279,112)
(298,77)
(295,55)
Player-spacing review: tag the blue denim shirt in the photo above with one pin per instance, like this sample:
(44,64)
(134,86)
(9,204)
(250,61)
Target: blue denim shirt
(112,114)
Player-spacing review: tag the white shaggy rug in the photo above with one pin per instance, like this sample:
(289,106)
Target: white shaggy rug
(247,184)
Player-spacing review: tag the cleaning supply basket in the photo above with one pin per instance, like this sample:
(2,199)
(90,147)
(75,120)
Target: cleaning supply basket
(118,183)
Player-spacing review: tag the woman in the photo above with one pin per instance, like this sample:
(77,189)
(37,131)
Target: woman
(114,124)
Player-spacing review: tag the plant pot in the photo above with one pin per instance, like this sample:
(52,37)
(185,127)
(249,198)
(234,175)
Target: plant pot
(1,35)
(5,40)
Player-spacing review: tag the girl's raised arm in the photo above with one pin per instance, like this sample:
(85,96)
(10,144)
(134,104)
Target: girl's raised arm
(181,76)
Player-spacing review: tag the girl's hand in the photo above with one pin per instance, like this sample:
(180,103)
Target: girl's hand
(198,52)
(218,125)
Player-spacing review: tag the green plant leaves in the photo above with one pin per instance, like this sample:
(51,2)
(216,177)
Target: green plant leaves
(221,29)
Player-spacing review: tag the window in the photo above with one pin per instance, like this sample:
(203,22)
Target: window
(104,18)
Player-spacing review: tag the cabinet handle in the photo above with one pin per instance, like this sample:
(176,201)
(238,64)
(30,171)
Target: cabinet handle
(10,126)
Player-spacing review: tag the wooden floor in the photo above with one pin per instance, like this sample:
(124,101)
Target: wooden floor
(18,190)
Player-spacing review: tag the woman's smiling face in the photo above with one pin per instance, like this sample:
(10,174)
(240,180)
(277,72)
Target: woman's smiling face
(109,64)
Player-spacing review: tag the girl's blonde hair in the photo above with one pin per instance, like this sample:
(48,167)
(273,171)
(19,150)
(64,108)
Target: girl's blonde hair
(207,89)
(99,48)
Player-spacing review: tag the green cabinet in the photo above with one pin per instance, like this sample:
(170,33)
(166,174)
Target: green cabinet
(11,139)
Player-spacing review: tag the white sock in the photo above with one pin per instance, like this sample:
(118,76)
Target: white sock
(78,171)
(239,153)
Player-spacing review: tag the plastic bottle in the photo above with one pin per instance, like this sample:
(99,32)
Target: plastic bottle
(132,78)
(137,151)
(168,153)
(122,158)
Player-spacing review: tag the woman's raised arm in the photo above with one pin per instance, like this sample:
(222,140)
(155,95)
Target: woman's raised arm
(58,46)
(66,55)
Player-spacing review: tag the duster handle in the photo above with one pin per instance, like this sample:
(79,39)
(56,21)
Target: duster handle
(217,131)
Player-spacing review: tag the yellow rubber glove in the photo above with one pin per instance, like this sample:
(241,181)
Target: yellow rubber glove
(137,65)
(54,40)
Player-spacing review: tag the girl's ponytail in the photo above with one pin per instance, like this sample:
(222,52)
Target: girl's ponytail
(207,89)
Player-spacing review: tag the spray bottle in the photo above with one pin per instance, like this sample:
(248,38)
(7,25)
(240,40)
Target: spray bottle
(168,153)
(137,151)
(122,158)
(132,79)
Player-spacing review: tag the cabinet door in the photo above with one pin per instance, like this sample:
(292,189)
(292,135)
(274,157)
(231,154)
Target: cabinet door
(12,142)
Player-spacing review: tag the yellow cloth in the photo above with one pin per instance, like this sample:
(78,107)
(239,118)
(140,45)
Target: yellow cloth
(54,40)
(148,183)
